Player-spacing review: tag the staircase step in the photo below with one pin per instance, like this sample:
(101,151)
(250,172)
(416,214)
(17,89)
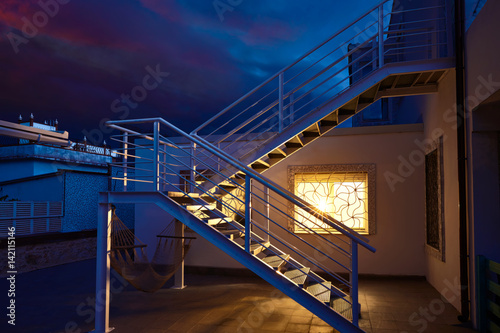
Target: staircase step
(260,166)
(343,306)
(210,199)
(321,291)
(257,248)
(232,233)
(217,221)
(182,194)
(310,136)
(276,262)
(184,200)
(273,161)
(298,276)
(201,208)
(293,145)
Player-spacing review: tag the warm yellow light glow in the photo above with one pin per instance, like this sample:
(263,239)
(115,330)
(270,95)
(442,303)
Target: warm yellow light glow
(322,205)
(341,196)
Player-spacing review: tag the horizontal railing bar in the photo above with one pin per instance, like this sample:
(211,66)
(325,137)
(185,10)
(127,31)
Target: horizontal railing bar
(132,180)
(417,9)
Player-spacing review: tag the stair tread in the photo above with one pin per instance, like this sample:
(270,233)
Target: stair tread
(343,306)
(200,207)
(276,261)
(218,220)
(229,231)
(256,248)
(321,291)
(298,276)
(182,194)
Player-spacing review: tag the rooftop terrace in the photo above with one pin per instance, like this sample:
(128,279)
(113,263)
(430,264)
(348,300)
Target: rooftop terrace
(61,299)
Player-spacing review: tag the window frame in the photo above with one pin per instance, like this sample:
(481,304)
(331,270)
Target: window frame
(439,254)
(369,169)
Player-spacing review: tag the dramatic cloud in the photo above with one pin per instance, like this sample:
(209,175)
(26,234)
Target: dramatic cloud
(73,59)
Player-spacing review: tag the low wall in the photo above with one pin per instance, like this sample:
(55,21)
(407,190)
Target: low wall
(47,250)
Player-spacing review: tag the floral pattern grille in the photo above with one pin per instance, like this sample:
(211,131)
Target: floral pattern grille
(342,195)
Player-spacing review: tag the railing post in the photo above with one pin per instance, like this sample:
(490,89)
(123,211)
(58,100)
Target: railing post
(163,173)
(381,35)
(281,83)
(103,268)
(193,167)
(248,212)
(179,274)
(354,282)
(125,161)
(291,109)
(266,197)
(156,158)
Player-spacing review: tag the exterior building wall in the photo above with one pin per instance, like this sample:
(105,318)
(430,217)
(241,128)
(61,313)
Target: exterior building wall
(399,238)
(399,217)
(440,121)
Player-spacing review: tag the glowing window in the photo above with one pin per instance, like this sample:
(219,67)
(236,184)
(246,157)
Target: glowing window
(341,195)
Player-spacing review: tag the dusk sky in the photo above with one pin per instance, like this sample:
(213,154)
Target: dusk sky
(77,61)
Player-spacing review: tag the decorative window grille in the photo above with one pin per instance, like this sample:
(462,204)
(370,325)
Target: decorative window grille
(434,213)
(343,192)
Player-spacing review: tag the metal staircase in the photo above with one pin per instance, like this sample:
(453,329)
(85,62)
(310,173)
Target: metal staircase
(387,52)
(210,179)
(247,217)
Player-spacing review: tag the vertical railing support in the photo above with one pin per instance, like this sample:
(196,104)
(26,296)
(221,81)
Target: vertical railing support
(103,267)
(381,35)
(156,158)
(163,173)
(125,161)
(266,198)
(354,282)
(281,84)
(179,253)
(193,168)
(248,212)
(291,109)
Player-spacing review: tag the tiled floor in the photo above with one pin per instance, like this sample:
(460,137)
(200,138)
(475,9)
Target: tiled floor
(60,299)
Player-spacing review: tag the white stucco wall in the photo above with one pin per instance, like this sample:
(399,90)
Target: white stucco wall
(440,120)
(399,206)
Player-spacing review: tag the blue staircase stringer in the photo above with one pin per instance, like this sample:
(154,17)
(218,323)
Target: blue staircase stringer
(237,252)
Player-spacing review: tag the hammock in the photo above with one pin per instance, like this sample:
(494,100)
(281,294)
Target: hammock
(129,258)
